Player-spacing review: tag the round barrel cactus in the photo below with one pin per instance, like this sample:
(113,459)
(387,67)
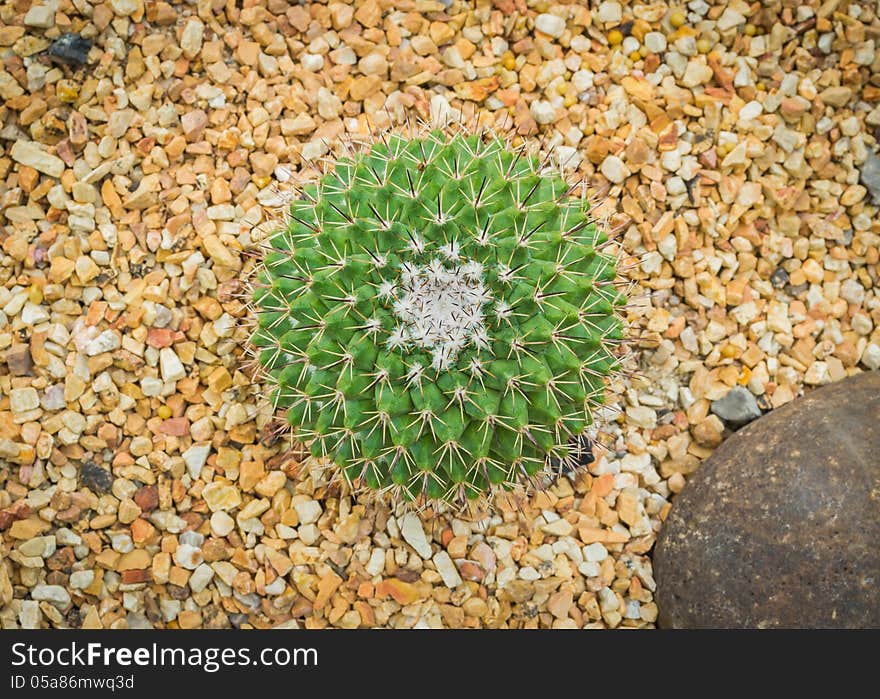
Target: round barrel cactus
(439,316)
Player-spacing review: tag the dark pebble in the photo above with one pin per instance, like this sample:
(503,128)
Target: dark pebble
(177,592)
(70,49)
(18,359)
(95,478)
(779,278)
(237,620)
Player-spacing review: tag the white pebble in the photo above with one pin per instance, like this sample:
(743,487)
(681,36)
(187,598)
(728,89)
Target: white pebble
(550,24)
(613,169)
(871,356)
(312,62)
(221,523)
(413,533)
(81,579)
(655,42)
(542,111)
(195,458)
(595,553)
(308,511)
(55,594)
(609,13)
(752,110)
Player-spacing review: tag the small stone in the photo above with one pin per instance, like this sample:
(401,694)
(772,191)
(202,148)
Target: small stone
(95,478)
(364,86)
(519,591)
(413,533)
(793,108)
(312,62)
(81,579)
(107,341)
(550,24)
(33,314)
(121,543)
(560,603)
(271,484)
(191,38)
(221,523)
(147,498)
(777,318)
(29,614)
(709,431)
(193,123)
(40,16)
(308,512)
(817,374)
(696,73)
(22,529)
(22,400)
(219,253)
(447,570)
(55,594)
(595,553)
(371,64)
(738,407)
(609,13)
(138,559)
(312,150)
(376,564)
(737,156)
(200,578)
(124,8)
(543,112)
(86,269)
(483,554)
(70,49)
(404,593)
(559,527)
(220,496)
(170,365)
(188,556)
(329,106)
(837,96)
(195,458)
(751,110)
(19,361)
(614,170)
(729,19)
(145,195)
(642,416)
(40,547)
(655,42)
(871,356)
(30,154)
(870,176)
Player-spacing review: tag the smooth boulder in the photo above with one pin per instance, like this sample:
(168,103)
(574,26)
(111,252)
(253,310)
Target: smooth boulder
(779,528)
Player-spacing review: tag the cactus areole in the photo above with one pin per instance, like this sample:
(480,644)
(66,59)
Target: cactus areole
(439,316)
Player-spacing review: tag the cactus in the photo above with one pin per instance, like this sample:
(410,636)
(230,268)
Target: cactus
(439,317)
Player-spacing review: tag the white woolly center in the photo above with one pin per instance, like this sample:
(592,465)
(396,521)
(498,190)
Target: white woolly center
(440,308)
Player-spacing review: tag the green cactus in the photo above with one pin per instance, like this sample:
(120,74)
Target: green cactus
(439,316)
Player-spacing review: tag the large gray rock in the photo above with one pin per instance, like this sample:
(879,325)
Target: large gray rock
(780,527)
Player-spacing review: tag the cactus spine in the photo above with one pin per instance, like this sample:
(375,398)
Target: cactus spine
(439,316)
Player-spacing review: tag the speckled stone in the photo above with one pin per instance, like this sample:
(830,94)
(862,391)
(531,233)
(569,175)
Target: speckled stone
(779,527)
